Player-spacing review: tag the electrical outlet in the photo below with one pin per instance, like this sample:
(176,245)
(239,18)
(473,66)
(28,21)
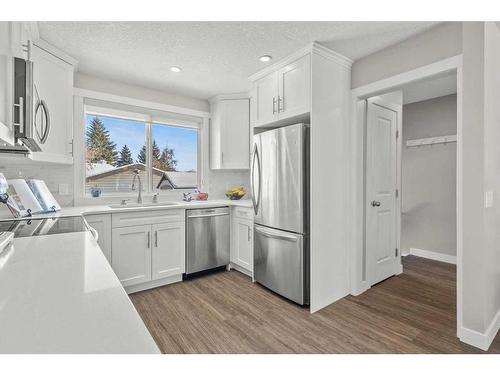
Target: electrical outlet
(488,199)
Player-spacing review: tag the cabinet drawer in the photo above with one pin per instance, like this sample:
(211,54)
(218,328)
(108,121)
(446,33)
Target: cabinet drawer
(243,213)
(128,219)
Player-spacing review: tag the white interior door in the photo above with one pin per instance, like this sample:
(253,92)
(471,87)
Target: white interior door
(381,184)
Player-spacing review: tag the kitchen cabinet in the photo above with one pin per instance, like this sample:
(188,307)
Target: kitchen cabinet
(102,224)
(230,132)
(53,83)
(168,255)
(131,254)
(283,93)
(14,37)
(148,247)
(242,239)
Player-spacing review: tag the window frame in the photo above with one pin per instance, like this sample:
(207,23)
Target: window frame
(152,115)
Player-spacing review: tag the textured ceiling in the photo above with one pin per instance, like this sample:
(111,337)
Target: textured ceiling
(216,57)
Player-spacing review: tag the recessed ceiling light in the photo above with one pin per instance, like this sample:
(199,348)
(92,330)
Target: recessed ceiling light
(265,58)
(176,69)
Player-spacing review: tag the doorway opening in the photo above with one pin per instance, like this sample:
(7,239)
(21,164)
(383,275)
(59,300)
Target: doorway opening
(427,83)
(411,184)
(411,175)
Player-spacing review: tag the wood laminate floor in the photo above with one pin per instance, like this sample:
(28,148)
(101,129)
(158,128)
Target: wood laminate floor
(226,313)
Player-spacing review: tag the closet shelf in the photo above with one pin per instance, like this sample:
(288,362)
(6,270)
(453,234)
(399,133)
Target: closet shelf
(431,141)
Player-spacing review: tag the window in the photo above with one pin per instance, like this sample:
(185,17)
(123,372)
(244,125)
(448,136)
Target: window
(165,155)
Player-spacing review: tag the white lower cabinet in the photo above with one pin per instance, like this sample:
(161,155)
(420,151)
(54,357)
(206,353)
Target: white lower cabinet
(168,254)
(102,224)
(148,248)
(131,254)
(242,240)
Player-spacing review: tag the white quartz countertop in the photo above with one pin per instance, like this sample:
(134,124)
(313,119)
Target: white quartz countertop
(101,209)
(58,294)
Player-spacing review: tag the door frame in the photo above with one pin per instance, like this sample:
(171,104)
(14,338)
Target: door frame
(398,109)
(358,279)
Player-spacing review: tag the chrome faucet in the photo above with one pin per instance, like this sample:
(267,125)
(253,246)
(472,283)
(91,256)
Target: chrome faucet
(136,175)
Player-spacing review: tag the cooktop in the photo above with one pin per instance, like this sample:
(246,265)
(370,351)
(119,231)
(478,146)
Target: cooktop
(41,227)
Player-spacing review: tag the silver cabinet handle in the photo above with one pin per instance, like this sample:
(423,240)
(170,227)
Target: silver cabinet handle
(274,105)
(156,238)
(280,104)
(149,240)
(249,235)
(376,204)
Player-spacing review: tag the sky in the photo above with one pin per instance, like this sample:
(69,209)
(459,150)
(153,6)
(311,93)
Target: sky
(183,141)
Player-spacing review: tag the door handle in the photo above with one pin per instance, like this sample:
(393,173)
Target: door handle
(248,233)
(280,104)
(156,238)
(274,105)
(149,240)
(276,236)
(376,204)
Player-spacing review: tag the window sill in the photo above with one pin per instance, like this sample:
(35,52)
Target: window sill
(164,196)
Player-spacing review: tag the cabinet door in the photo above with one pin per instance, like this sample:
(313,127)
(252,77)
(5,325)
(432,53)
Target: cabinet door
(102,224)
(266,99)
(243,243)
(295,88)
(235,133)
(131,254)
(53,80)
(168,249)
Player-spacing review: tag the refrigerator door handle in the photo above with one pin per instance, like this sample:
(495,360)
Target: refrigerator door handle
(256,157)
(271,234)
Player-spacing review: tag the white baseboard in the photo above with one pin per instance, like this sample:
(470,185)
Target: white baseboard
(431,255)
(481,340)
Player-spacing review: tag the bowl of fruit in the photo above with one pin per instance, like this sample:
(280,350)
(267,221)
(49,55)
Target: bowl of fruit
(236,193)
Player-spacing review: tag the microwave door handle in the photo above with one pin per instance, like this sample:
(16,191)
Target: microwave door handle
(46,114)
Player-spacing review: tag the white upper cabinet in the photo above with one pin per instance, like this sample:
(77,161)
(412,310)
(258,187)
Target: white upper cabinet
(14,38)
(266,99)
(295,88)
(230,132)
(282,93)
(53,84)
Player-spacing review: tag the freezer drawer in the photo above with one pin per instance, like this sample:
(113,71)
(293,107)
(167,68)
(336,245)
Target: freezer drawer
(280,263)
(207,239)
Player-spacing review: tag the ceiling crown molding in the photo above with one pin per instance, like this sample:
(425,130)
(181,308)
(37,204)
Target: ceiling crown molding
(314,47)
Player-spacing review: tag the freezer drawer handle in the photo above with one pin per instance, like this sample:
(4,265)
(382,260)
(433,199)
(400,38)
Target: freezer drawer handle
(209,215)
(277,236)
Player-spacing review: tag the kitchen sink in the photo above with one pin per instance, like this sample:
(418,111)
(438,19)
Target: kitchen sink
(136,205)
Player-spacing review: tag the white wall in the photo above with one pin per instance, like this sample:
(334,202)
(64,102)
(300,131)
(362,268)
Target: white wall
(436,44)
(85,81)
(429,177)
(481,166)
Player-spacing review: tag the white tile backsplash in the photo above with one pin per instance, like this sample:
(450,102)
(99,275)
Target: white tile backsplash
(223,180)
(52,174)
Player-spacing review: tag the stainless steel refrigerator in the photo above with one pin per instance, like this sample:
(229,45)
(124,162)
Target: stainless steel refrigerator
(280,193)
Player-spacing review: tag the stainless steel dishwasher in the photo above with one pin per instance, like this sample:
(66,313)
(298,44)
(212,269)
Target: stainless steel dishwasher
(207,238)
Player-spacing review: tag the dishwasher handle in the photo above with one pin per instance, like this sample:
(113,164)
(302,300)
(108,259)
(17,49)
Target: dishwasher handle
(209,215)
